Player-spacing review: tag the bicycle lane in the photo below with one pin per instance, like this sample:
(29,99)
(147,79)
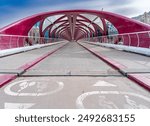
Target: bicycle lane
(61,92)
(134,66)
(14,65)
(70,92)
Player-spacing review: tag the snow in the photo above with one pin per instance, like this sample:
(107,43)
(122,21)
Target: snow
(139,50)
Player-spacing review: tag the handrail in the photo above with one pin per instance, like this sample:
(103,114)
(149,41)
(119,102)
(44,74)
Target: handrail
(136,39)
(24,36)
(14,41)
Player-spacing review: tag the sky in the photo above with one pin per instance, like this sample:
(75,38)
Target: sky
(13,10)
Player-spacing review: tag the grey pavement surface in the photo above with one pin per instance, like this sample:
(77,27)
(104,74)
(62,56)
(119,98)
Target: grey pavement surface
(71,60)
(73,93)
(15,61)
(38,89)
(133,62)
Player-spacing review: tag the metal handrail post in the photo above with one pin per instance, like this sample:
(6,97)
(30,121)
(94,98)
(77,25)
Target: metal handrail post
(149,37)
(138,39)
(10,42)
(129,40)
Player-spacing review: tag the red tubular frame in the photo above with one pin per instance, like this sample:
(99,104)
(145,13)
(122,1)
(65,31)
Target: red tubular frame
(122,24)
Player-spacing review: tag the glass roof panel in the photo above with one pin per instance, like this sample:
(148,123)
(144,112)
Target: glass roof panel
(85,28)
(49,20)
(65,18)
(53,28)
(98,21)
(88,24)
(58,24)
(45,24)
(59,28)
(77,23)
(79,18)
(91,26)
(95,19)
(89,16)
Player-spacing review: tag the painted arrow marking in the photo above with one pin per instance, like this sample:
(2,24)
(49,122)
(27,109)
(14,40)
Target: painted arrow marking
(104,84)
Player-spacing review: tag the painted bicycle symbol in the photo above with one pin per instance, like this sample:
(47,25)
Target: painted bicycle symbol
(107,98)
(30,88)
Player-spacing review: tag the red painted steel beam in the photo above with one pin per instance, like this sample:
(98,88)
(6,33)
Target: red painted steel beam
(122,24)
(93,24)
(80,34)
(4,79)
(84,30)
(62,25)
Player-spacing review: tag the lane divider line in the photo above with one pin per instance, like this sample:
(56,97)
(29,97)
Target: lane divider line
(32,63)
(111,62)
(141,80)
(138,79)
(4,79)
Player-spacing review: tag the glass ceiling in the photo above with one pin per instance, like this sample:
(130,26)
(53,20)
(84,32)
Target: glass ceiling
(49,20)
(89,16)
(88,25)
(95,19)
(85,21)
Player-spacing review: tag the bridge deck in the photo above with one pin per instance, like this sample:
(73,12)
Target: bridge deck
(72,77)
(132,62)
(17,60)
(72,60)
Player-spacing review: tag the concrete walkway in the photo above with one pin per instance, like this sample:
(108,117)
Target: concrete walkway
(72,77)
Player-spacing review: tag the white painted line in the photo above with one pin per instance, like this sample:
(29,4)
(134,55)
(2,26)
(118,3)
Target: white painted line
(79,101)
(81,98)
(18,105)
(104,84)
(23,84)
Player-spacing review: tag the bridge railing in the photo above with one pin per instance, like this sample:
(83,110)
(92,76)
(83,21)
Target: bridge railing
(14,41)
(137,39)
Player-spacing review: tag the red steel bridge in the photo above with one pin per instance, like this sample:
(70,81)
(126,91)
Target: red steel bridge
(80,59)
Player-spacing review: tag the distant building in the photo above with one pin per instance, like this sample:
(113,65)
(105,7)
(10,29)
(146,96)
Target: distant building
(145,18)
(34,34)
